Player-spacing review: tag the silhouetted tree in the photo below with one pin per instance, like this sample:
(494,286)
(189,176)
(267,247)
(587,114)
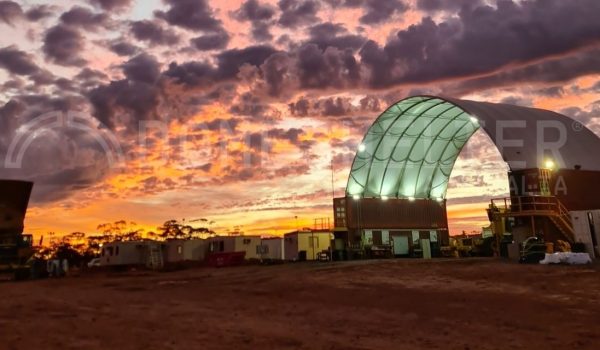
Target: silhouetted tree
(172,229)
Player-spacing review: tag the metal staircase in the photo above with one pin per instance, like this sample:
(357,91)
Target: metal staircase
(545,206)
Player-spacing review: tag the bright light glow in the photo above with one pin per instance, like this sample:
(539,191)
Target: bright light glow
(385,198)
(549,164)
(411,198)
(439,199)
(356,197)
(362,147)
(474,120)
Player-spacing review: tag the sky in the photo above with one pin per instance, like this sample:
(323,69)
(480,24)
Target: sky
(249,113)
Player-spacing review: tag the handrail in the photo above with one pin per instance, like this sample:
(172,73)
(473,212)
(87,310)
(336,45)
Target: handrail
(529,203)
(532,205)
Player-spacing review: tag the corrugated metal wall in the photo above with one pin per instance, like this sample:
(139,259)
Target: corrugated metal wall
(366,213)
(577,189)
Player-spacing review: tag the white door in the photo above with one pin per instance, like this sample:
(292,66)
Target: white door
(401,245)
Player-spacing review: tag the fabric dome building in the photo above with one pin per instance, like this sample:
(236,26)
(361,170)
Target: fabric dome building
(400,173)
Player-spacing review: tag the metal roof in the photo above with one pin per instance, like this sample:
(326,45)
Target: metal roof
(411,148)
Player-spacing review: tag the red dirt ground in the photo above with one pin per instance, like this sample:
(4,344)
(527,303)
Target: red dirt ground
(394,304)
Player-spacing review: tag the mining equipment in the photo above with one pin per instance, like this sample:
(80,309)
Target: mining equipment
(16,248)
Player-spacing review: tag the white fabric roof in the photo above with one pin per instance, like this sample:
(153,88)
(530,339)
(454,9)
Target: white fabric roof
(411,148)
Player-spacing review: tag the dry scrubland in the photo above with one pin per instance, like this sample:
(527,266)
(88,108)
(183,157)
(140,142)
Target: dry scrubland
(396,304)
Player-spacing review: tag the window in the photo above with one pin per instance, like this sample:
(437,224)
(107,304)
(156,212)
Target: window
(179,250)
(313,242)
(247,241)
(117,250)
(217,246)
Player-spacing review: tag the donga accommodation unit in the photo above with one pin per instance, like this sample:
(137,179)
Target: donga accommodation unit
(272,248)
(133,253)
(306,244)
(179,250)
(251,245)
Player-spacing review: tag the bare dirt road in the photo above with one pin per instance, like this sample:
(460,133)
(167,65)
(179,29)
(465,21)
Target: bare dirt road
(395,304)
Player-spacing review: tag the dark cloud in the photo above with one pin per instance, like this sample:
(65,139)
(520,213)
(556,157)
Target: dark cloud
(191,74)
(142,68)
(84,18)
(446,5)
(230,61)
(277,72)
(88,77)
(211,41)
(482,39)
(335,107)
(291,135)
(554,70)
(259,15)
(261,31)
(110,5)
(63,45)
(123,48)
(153,33)
(378,11)
(39,12)
(587,116)
(252,10)
(552,91)
(335,35)
(125,103)
(201,74)
(295,13)
(370,104)
(250,105)
(300,108)
(190,14)
(375,11)
(60,159)
(136,98)
(10,11)
(330,68)
(17,62)
(518,101)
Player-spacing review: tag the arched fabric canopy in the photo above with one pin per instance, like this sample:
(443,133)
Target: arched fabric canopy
(411,148)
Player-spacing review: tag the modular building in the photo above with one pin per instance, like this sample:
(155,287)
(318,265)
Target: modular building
(399,177)
(133,253)
(306,245)
(272,248)
(251,245)
(180,250)
(586,225)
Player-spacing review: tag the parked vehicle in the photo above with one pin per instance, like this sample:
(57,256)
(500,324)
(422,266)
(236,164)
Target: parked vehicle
(94,263)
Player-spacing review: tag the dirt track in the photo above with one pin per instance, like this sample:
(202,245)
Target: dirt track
(397,304)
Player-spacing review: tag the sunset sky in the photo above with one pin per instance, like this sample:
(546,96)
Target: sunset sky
(234,111)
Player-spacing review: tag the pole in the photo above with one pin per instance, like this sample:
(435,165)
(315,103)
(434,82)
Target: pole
(332,179)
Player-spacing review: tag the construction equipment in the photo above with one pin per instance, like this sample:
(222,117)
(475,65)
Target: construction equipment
(465,245)
(16,249)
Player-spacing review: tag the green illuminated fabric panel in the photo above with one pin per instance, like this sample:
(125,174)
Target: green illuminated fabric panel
(410,150)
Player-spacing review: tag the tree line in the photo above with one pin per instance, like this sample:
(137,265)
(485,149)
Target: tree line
(79,248)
